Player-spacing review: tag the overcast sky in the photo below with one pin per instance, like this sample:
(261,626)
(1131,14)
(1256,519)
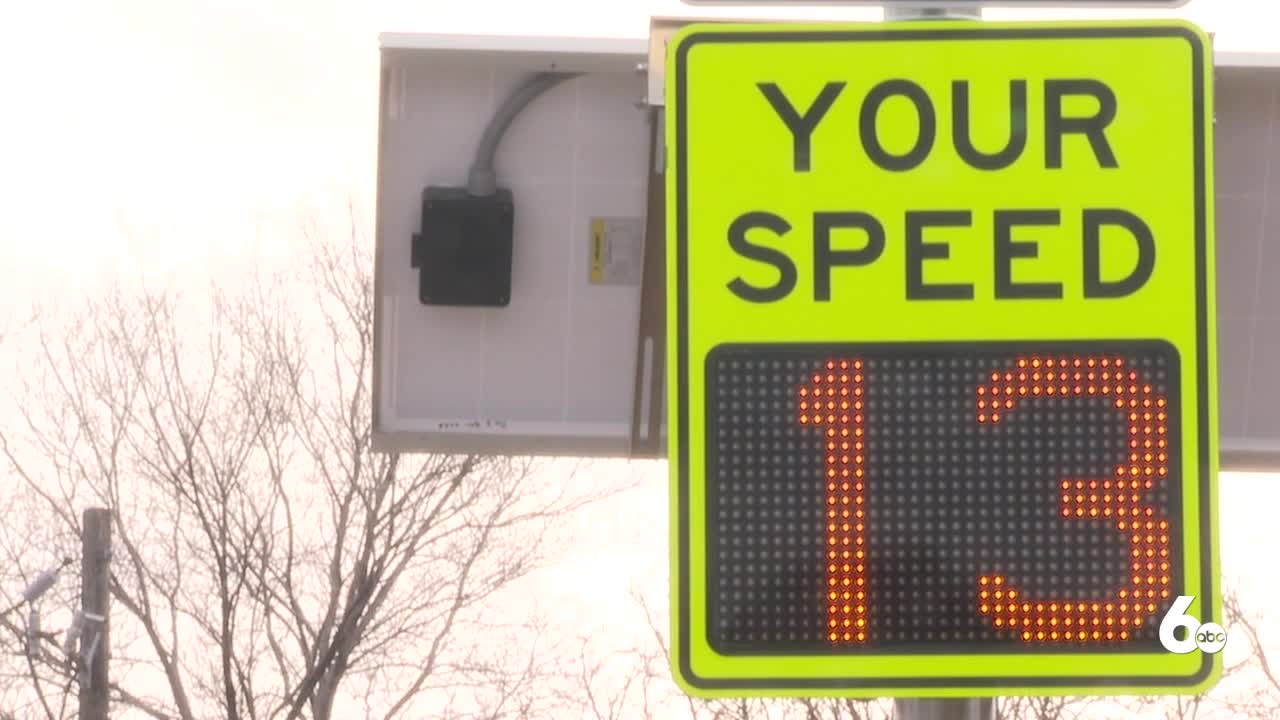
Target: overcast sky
(130,123)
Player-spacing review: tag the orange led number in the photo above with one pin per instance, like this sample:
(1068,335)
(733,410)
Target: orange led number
(1116,499)
(834,402)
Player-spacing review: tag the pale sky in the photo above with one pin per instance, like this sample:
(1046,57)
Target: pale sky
(176,135)
(130,123)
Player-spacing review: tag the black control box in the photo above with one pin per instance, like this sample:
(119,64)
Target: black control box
(463,253)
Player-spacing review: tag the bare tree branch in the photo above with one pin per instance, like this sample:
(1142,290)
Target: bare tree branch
(269,564)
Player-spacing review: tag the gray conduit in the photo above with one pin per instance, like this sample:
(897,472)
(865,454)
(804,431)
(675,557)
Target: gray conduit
(482,181)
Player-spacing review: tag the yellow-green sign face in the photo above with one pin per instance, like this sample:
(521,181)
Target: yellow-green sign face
(943,410)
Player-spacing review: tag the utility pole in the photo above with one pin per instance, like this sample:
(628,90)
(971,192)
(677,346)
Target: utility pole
(95,590)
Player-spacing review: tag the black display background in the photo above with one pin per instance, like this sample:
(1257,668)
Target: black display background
(948,499)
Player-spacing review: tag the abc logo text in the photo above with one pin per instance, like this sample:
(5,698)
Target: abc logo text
(1209,637)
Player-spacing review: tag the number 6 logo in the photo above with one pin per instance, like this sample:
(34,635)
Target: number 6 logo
(1209,637)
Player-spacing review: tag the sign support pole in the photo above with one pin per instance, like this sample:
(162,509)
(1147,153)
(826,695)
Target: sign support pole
(946,708)
(934,11)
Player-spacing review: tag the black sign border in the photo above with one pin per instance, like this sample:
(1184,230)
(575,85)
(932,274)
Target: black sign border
(1204,390)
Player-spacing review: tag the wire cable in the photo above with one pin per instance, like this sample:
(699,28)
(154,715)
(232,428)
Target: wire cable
(482,181)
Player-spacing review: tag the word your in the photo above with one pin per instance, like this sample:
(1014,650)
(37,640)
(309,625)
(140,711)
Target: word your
(1057,123)
(1209,637)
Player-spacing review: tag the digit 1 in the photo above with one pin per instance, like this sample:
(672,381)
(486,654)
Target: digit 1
(1116,499)
(834,403)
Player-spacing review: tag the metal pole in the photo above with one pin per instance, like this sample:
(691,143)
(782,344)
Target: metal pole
(946,708)
(971,10)
(95,590)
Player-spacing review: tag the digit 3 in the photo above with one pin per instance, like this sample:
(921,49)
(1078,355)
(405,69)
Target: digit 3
(1118,498)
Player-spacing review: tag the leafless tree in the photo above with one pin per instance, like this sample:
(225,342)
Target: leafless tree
(844,709)
(268,565)
(1043,708)
(1259,693)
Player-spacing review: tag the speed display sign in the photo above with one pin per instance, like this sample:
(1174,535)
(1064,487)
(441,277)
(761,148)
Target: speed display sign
(941,324)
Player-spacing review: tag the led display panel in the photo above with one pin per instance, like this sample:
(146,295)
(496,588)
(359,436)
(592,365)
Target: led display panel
(1032,487)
